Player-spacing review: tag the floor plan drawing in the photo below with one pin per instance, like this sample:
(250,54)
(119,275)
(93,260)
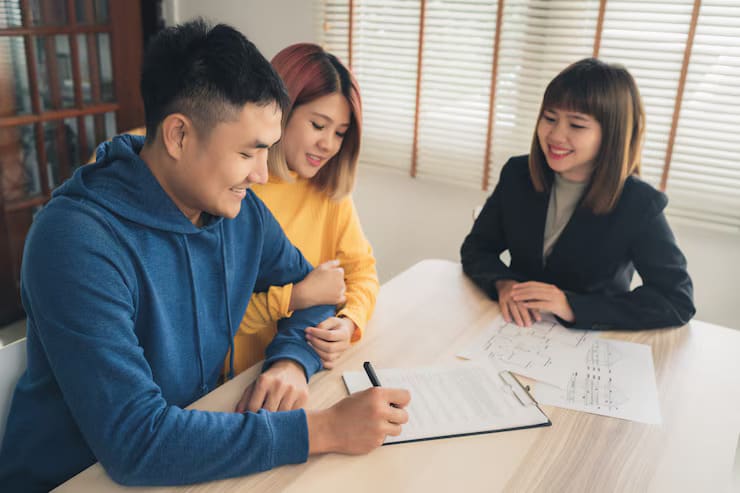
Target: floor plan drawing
(545,351)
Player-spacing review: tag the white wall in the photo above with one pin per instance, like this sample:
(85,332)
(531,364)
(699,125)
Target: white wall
(419,219)
(270,24)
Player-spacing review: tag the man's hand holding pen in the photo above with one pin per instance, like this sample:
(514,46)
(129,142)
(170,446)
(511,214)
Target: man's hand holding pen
(359,423)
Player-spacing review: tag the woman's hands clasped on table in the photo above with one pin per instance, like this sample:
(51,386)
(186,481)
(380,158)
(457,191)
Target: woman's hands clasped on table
(511,309)
(523,302)
(540,297)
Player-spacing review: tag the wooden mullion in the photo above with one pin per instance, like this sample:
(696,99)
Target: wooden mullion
(100,135)
(126,56)
(492,95)
(82,138)
(92,58)
(14,121)
(41,158)
(419,55)
(679,95)
(10,309)
(51,30)
(92,55)
(77,79)
(30,203)
(599,28)
(35,101)
(89,12)
(94,66)
(31,61)
(350,32)
(63,154)
(55,93)
(56,102)
(75,52)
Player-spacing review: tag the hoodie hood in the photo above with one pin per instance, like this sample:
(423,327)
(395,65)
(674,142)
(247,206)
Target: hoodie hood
(122,183)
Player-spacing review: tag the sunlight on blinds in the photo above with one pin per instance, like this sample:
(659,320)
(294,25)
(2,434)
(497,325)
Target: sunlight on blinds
(456,77)
(538,39)
(384,59)
(333,20)
(704,180)
(649,39)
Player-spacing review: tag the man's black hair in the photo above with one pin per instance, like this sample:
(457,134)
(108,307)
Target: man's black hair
(206,73)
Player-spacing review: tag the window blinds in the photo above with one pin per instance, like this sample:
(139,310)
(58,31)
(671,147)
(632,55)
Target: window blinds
(539,38)
(456,66)
(649,39)
(704,179)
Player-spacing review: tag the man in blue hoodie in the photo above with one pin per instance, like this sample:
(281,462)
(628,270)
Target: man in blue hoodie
(135,277)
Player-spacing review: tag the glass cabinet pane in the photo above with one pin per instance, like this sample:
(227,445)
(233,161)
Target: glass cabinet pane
(76,158)
(14,89)
(84,69)
(20,177)
(10,13)
(111,129)
(64,70)
(60,139)
(42,74)
(48,12)
(91,11)
(106,68)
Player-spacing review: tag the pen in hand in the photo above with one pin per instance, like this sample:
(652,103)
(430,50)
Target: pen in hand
(373,376)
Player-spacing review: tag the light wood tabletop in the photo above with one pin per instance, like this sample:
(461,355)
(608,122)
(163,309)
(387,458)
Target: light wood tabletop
(426,315)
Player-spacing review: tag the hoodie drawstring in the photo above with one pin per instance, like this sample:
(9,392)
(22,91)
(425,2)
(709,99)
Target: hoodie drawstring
(198,342)
(229,327)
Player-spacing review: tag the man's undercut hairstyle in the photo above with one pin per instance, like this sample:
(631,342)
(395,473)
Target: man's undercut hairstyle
(206,73)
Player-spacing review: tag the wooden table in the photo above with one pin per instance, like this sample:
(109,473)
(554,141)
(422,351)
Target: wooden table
(430,312)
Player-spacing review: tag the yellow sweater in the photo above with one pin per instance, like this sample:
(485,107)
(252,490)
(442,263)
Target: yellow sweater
(323,230)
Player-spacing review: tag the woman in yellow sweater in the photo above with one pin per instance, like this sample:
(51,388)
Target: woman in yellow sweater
(312,173)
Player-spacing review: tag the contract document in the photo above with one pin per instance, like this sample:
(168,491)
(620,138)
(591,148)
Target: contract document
(449,401)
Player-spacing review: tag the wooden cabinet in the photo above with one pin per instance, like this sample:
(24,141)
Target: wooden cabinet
(69,79)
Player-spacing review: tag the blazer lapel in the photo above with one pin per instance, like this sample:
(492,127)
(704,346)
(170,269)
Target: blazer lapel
(535,224)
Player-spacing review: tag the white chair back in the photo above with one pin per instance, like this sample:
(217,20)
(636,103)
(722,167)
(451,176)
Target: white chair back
(12,366)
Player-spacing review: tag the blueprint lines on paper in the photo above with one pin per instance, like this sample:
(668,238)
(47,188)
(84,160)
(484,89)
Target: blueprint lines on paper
(545,351)
(617,379)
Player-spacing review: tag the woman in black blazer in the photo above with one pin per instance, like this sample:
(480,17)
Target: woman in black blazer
(576,218)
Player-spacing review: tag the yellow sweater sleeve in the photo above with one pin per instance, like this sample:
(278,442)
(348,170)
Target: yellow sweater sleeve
(259,325)
(302,211)
(360,276)
(266,309)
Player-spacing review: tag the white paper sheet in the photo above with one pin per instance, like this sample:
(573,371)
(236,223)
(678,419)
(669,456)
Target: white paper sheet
(546,351)
(455,400)
(616,379)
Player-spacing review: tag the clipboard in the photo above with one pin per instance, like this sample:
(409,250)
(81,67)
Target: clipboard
(457,400)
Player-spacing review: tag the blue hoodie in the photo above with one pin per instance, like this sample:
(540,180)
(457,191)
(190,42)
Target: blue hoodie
(131,310)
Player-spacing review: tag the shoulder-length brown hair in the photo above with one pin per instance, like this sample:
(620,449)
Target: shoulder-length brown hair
(609,94)
(309,73)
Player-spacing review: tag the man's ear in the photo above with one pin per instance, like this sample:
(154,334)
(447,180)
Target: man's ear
(175,128)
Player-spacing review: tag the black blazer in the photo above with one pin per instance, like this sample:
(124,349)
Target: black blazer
(594,259)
